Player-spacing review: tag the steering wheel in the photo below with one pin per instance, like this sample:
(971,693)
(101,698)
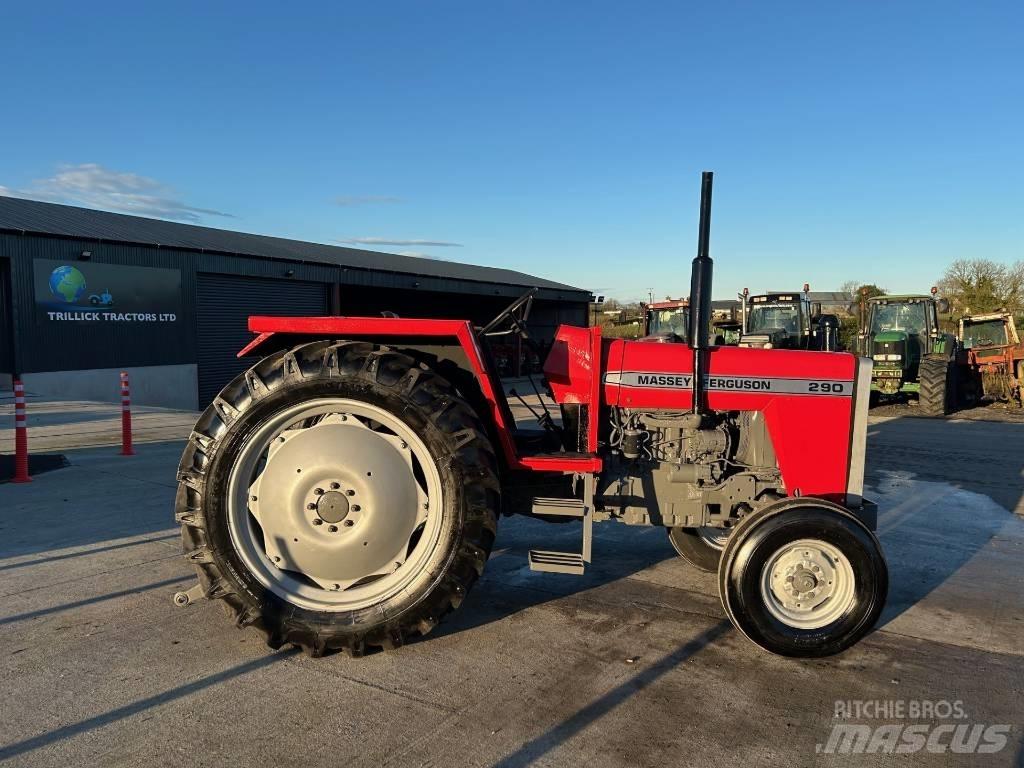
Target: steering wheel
(515,314)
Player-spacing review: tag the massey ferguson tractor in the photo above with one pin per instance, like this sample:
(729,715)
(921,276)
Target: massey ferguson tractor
(346,490)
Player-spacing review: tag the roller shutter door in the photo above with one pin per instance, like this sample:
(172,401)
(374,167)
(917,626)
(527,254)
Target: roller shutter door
(224,304)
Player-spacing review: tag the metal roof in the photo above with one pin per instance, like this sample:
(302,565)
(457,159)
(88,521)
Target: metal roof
(836,297)
(34,217)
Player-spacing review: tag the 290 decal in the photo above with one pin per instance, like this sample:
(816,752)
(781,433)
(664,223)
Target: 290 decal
(719,383)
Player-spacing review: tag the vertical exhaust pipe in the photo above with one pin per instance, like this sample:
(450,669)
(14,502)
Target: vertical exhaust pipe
(700,296)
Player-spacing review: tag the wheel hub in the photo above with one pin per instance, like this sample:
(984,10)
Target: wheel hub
(332,507)
(803,581)
(807,584)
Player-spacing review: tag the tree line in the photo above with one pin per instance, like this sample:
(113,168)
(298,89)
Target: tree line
(972,286)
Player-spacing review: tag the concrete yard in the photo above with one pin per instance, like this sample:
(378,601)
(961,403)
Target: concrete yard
(633,664)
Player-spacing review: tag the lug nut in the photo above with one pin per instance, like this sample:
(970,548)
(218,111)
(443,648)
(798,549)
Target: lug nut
(253,498)
(350,492)
(318,491)
(318,521)
(335,486)
(356,507)
(349,523)
(311,506)
(332,528)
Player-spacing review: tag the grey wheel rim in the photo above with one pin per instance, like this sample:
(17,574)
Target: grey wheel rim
(335,505)
(808,584)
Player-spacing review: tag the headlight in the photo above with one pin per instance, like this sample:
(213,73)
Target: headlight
(888,357)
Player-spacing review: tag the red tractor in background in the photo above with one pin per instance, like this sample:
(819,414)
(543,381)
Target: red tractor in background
(345,491)
(667,320)
(995,355)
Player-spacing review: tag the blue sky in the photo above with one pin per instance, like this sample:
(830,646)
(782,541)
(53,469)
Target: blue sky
(873,141)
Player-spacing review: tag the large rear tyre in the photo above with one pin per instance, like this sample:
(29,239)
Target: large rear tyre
(803,577)
(936,389)
(338,496)
(700,547)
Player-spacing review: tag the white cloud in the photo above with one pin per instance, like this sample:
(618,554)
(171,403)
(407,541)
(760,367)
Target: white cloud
(346,200)
(394,242)
(93,186)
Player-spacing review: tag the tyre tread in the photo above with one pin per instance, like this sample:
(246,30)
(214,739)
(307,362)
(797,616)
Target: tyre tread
(384,367)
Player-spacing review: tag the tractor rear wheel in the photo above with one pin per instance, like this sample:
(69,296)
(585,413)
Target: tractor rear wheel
(700,547)
(338,496)
(935,395)
(803,577)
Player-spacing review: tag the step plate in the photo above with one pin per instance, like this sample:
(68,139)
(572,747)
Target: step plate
(556,562)
(559,507)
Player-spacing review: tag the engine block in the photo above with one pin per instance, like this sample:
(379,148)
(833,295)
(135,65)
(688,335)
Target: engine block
(679,469)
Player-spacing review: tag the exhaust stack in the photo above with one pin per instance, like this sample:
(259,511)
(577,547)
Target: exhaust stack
(700,295)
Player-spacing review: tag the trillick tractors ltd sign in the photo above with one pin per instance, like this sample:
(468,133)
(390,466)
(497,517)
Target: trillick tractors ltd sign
(87,292)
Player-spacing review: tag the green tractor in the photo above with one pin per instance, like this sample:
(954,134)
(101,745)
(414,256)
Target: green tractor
(911,353)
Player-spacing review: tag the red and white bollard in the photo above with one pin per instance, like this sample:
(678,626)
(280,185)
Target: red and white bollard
(126,417)
(20,435)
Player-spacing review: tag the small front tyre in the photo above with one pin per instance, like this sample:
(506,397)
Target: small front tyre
(700,547)
(803,577)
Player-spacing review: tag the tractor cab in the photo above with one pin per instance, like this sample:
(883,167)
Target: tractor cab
(787,321)
(985,332)
(667,321)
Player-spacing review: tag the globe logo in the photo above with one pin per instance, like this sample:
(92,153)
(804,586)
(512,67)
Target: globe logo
(67,284)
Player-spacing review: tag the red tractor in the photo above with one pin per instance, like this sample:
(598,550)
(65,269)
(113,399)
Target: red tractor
(995,355)
(667,320)
(345,491)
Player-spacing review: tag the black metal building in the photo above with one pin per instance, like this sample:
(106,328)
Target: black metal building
(88,293)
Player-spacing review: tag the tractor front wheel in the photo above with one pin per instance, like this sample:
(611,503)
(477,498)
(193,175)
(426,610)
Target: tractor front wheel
(700,547)
(338,496)
(803,577)
(936,392)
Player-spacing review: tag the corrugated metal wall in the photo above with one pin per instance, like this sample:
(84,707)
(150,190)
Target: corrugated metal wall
(6,321)
(42,345)
(223,306)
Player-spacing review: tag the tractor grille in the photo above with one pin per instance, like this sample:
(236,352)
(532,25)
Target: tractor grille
(889,354)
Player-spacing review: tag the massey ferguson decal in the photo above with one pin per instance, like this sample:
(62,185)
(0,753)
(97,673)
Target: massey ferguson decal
(720,383)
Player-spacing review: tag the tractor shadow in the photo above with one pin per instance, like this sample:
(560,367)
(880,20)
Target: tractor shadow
(945,488)
(508,586)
